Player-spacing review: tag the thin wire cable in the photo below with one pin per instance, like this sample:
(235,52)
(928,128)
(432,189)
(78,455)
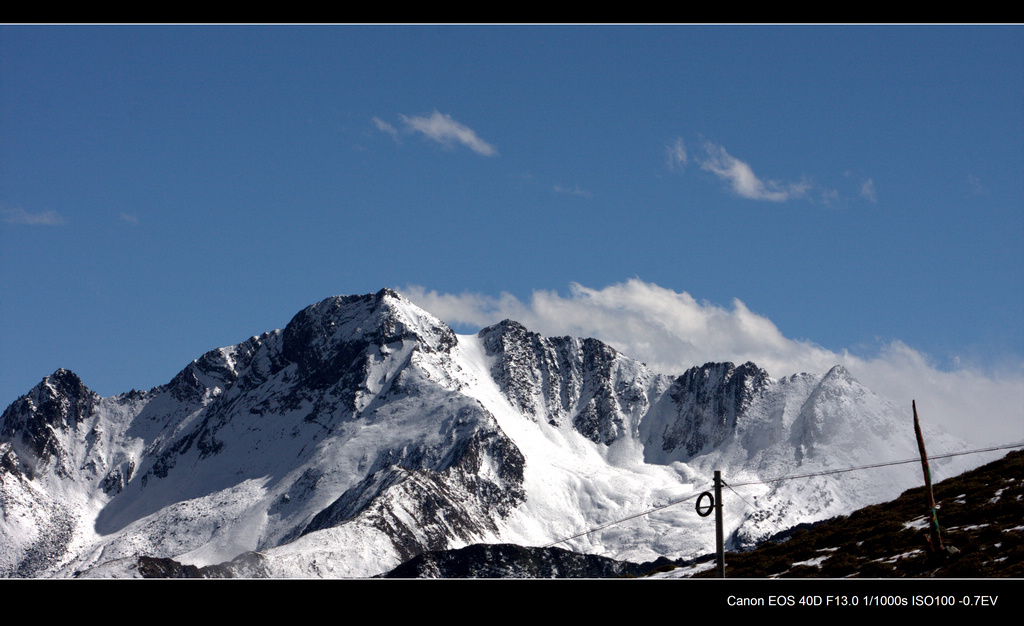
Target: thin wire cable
(777,529)
(775,480)
(874,465)
(626,519)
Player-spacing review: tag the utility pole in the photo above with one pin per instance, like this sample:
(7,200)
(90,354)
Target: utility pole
(719,543)
(934,539)
(715,503)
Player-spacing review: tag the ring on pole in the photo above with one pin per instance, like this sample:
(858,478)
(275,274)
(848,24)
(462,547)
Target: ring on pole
(711,504)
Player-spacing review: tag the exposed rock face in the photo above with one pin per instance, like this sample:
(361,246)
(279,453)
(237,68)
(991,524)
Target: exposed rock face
(710,399)
(330,341)
(564,378)
(36,422)
(450,493)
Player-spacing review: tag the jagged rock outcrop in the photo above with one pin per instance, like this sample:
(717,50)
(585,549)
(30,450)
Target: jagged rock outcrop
(584,381)
(710,399)
(36,423)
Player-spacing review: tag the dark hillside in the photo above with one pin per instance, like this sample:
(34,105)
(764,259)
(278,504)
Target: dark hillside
(981,515)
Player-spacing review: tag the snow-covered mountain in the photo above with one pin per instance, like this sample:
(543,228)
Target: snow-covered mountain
(366,432)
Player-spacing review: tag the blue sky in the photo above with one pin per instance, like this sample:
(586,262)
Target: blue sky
(854,192)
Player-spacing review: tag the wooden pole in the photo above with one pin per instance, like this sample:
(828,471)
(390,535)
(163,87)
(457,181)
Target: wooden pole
(719,543)
(934,539)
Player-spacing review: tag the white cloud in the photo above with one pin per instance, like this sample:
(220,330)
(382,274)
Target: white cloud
(867,189)
(675,155)
(443,129)
(130,218)
(385,127)
(742,179)
(21,216)
(672,331)
(830,197)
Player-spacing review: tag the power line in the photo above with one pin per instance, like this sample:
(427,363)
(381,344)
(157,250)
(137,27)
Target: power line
(626,519)
(751,506)
(874,465)
(775,480)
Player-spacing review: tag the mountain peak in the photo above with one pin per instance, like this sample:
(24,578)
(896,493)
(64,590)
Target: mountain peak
(328,337)
(387,292)
(385,316)
(839,373)
(62,396)
(60,401)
